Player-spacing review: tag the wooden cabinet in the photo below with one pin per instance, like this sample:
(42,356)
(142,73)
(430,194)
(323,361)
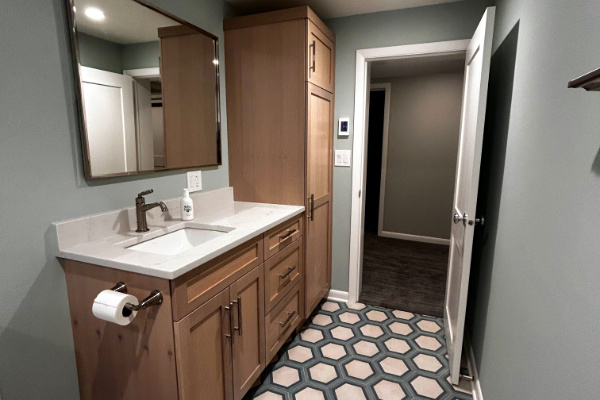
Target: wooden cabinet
(220,345)
(211,337)
(204,359)
(280,84)
(318,190)
(190,104)
(247,301)
(282,272)
(321,60)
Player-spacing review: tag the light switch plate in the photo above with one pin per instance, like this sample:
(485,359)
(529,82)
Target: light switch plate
(194,181)
(342,158)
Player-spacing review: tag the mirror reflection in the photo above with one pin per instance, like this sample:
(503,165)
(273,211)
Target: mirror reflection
(149,89)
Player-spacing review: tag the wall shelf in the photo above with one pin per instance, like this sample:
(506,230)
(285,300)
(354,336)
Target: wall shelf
(589,81)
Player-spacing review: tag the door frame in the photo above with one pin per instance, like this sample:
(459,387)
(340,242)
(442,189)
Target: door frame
(359,145)
(386,87)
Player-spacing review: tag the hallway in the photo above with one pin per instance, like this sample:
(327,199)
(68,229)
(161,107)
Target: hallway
(404,275)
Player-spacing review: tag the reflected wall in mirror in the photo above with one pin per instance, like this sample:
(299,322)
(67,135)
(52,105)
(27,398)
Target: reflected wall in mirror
(148,89)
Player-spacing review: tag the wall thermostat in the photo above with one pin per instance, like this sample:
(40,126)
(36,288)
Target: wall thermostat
(344,127)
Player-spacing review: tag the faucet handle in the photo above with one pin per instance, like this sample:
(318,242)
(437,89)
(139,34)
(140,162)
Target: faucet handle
(146,192)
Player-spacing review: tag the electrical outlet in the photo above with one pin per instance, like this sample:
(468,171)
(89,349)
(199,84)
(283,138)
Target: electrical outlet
(342,158)
(194,181)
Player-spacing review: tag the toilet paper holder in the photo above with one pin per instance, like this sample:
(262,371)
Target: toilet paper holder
(155,298)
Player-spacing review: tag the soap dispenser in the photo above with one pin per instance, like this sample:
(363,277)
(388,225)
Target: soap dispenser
(187,206)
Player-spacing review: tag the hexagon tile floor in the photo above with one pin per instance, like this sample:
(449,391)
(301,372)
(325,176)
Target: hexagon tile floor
(358,352)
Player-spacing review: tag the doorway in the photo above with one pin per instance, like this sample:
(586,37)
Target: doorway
(462,219)
(413,132)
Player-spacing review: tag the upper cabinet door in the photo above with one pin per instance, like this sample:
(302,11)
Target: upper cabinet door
(203,348)
(248,308)
(319,160)
(320,57)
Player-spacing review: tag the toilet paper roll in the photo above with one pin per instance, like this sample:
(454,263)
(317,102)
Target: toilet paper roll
(109,305)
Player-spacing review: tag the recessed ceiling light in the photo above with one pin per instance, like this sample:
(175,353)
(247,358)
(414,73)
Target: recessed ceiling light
(94,13)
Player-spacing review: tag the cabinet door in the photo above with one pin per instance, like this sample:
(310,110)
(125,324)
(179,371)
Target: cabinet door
(321,56)
(319,161)
(248,307)
(203,347)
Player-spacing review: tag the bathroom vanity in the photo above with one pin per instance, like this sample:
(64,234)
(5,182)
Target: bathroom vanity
(232,286)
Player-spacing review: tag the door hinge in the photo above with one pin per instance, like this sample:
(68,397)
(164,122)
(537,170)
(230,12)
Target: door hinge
(359,193)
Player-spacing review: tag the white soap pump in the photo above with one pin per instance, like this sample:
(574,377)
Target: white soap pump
(187,206)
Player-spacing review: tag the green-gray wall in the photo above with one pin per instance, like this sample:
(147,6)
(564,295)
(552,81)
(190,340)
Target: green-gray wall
(452,21)
(141,55)
(108,56)
(424,127)
(535,305)
(42,181)
(99,53)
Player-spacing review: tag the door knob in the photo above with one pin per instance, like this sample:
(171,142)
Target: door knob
(477,221)
(457,218)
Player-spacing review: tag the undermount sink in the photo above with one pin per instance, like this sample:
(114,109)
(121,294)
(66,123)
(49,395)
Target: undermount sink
(181,240)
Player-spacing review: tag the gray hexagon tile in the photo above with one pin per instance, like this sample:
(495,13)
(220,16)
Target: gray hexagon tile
(360,352)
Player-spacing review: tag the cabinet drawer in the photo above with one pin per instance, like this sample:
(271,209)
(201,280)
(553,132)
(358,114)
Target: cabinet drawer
(282,236)
(282,320)
(199,285)
(282,272)
(320,57)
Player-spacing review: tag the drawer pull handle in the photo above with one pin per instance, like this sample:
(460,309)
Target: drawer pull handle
(288,319)
(290,269)
(239,313)
(287,235)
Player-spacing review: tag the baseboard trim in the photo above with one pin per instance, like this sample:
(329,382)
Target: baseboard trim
(338,295)
(476,385)
(414,238)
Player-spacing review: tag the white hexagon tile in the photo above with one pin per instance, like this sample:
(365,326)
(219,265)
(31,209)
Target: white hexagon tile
(355,352)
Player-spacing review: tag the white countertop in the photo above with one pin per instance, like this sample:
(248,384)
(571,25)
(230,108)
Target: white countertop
(104,239)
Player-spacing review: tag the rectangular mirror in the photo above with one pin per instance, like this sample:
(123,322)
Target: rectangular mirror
(148,89)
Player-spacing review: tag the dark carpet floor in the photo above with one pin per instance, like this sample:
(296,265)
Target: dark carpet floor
(404,275)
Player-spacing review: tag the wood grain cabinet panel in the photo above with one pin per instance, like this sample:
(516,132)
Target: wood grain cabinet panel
(247,306)
(199,285)
(190,116)
(321,58)
(116,362)
(319,160)
(282,320)
(282,236)
(204,359)
(282,272)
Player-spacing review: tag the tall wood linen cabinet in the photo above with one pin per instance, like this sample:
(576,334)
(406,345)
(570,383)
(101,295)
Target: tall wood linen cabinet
(280,85)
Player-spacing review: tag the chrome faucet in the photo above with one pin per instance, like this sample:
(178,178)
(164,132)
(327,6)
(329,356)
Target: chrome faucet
(141,207)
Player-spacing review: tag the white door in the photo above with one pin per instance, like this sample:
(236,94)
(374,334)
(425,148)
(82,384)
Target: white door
(143,105)
(477,70)
(110,121)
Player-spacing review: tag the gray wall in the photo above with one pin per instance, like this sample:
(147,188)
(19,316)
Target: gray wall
(42,181)
(141,55)
(108,56)
(421,160)
(535,302)
(99,53)
(452,21)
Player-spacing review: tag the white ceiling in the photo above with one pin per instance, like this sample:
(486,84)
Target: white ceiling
(332,8)
(421,65)
(125,21)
